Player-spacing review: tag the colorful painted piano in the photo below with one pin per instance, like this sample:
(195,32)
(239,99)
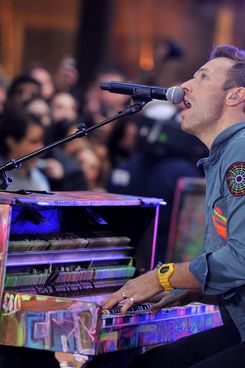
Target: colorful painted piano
(62,253)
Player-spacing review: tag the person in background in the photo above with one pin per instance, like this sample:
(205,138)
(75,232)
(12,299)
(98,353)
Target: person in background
(93,159)
(64,112)
(121,142)
(64,106)
(66,77)
(38,106)
(60,168)
(215,113)
(74,147)
(99,105)
(94,166)
(42,75)
(3,94)
(20,90)
(21,134)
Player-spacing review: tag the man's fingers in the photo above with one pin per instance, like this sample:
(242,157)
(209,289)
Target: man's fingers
(112,300)
(118,297)
(169,300)
(156,298)
(126,305)
(165,302)
(141,288)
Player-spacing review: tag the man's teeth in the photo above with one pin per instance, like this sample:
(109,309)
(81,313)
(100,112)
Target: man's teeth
(187,104)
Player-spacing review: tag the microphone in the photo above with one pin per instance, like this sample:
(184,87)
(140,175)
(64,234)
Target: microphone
(173,94)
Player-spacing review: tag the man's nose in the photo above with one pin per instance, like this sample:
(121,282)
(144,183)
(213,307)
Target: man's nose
(186,86)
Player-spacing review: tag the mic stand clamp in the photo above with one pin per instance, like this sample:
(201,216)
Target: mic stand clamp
(137,106)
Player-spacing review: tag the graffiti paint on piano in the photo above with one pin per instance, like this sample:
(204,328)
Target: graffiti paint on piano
(143,329)
(5,219)
(72,325)
(82,198)
(49,323)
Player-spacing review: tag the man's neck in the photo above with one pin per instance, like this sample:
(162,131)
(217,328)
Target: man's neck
(215,129)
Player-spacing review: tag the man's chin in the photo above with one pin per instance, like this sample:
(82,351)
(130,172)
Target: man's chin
(186,127)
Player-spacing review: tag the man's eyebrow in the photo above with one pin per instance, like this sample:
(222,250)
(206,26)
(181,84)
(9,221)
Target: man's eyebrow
(203,69)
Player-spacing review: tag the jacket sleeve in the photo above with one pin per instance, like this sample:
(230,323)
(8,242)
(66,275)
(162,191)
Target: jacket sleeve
(222,270)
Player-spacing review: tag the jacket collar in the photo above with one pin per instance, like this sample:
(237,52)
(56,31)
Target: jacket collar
(220,143)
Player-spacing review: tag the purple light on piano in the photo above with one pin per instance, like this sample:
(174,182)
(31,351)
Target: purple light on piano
(58,260)
(49,221)
(154,242)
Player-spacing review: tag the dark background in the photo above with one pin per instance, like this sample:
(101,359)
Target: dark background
(121,32)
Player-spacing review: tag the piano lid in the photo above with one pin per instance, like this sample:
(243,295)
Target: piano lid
(79,198)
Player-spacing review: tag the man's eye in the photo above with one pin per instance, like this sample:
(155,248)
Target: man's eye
(204,76)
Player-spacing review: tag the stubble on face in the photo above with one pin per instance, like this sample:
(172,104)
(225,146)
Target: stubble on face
(207,100)
(204,117)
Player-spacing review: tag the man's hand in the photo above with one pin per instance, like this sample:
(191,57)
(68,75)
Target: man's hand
(134,291)
(146,286)
(177,297)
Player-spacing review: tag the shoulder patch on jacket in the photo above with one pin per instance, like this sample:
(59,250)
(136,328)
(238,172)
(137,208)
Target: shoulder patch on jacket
(235,177)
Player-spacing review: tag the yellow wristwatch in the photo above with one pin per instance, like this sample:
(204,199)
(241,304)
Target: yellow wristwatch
(164,273)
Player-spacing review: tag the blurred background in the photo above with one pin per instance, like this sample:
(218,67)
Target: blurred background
(124,32)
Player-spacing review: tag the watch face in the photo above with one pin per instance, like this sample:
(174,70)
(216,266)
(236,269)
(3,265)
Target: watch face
(164,269)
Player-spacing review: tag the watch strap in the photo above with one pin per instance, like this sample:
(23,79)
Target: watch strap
(164,277)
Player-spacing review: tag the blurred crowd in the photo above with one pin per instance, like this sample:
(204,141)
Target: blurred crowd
(144,154)
(38,108)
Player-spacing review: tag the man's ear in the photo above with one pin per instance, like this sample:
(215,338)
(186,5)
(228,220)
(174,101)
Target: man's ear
(235,96)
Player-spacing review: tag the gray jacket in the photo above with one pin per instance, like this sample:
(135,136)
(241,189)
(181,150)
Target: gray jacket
(221,268)
(35,180)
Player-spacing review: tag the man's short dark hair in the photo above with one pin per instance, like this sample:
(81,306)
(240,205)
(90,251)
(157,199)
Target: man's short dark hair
(236,75)
(14,124)
(21,79)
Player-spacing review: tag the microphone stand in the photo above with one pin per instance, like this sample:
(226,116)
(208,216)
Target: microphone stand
(139,103)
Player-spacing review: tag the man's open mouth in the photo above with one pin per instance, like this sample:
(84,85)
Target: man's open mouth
(187,103)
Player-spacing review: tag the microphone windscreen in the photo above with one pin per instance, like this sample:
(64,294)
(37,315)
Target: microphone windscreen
(175,94)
